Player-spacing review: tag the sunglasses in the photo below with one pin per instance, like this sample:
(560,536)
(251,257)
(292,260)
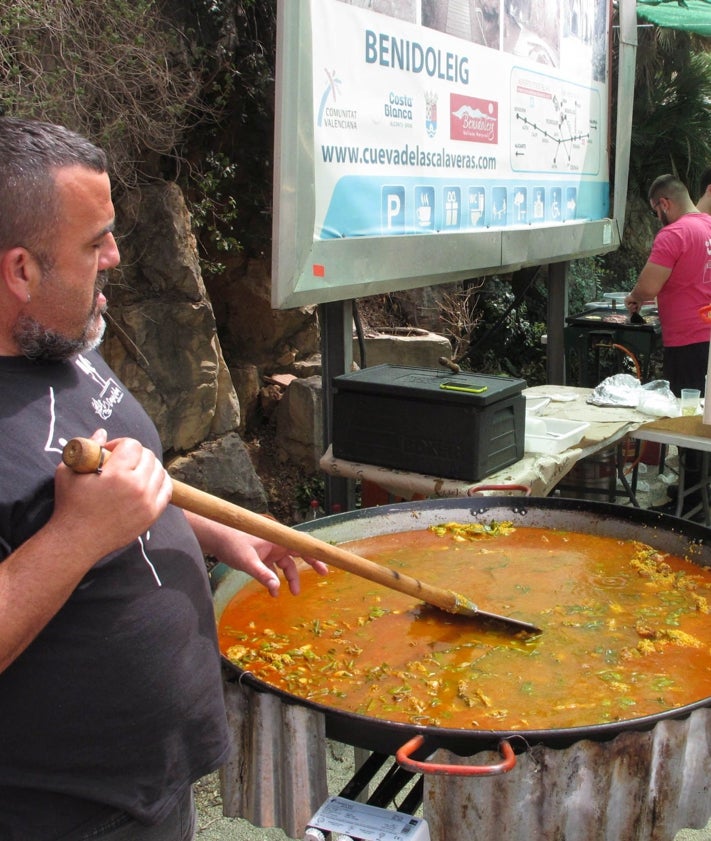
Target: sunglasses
(655,205)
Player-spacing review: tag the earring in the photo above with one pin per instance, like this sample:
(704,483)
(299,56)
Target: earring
(29,297)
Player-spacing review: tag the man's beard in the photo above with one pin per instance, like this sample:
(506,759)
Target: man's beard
(40,343)
(45,345)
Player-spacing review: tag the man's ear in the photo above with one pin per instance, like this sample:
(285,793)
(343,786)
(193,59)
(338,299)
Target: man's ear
(19,273)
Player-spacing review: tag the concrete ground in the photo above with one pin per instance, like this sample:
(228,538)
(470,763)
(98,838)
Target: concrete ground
(213,826)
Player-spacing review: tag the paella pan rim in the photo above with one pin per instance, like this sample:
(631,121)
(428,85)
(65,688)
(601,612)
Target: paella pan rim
(385,736)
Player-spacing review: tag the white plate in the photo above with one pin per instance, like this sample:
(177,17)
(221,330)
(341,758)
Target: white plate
(559,397)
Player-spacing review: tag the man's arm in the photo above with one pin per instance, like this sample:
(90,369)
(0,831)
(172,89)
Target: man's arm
(258,558)
(649,283)
(93,516)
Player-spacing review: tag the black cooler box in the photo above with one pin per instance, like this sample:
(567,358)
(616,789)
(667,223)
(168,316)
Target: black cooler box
(458,426)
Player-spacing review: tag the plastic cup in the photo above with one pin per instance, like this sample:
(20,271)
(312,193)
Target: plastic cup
(690,399)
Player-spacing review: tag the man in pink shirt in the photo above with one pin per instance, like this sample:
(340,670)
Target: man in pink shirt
(678,275)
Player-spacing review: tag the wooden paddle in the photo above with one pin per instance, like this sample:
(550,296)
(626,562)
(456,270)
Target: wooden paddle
(86,456)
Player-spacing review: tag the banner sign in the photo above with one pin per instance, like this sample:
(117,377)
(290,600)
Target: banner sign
(447,117)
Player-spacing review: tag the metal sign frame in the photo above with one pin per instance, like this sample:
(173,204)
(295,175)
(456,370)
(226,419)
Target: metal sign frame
(309,269)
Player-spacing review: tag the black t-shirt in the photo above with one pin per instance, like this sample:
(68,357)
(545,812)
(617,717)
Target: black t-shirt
(118,701)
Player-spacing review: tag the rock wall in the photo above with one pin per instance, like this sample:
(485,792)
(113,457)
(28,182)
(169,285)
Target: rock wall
(250,330)
(162,342)
(162,339)
(259,341)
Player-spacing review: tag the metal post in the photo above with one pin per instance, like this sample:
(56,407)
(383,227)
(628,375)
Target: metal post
(336,322)
(625,95)
(557,311)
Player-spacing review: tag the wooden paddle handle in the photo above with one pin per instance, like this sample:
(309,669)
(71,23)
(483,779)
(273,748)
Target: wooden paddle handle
(86,456)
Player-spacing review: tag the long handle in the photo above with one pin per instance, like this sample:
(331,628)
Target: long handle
(86,456)
(304,544)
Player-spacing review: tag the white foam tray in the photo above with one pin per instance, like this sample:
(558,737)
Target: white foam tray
(559,435)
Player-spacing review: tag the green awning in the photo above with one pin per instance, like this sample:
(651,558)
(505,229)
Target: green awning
(689,15)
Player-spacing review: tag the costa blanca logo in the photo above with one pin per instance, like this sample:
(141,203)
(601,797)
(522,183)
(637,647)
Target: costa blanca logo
(474,120)
(398,109)
(332,113)
(431,113)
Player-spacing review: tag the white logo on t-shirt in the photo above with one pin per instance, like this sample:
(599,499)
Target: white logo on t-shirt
(111,392)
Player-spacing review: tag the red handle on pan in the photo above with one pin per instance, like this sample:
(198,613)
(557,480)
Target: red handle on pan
(404,754)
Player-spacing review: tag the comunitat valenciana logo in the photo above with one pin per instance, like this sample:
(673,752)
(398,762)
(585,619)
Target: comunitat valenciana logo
(472,119)
(332,112)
